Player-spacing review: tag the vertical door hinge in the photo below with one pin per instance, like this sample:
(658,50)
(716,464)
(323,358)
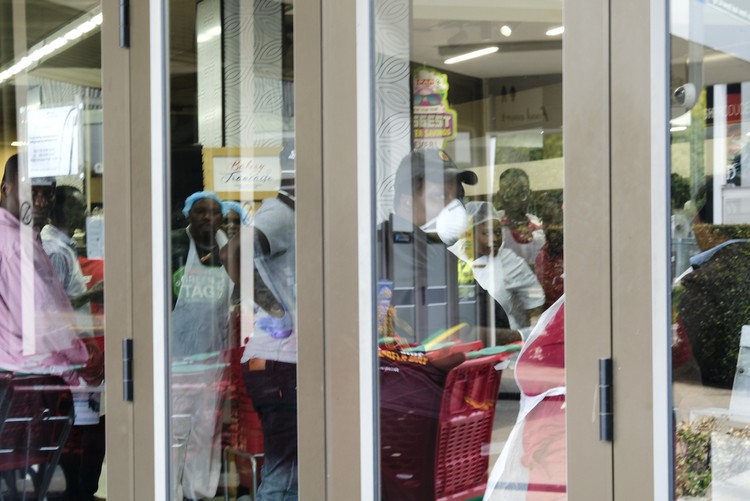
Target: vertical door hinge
(127,370)
(606,421)
(125,24)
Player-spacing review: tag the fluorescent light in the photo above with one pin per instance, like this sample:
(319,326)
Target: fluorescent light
(553,32)
(69,33)
(471,55)
(18,143)
(505,30)
(678,128)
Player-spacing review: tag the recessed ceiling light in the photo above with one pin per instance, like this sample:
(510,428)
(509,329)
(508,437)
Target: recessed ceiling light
(553,32)
(505,30)
(471,55)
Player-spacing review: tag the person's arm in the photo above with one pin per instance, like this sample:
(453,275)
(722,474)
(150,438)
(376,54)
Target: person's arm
(94,294)
(231,256)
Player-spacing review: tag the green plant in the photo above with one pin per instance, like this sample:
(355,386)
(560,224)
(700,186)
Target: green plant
(704,444)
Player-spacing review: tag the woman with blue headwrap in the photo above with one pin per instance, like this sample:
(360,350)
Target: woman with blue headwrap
(235,216)
(200,334)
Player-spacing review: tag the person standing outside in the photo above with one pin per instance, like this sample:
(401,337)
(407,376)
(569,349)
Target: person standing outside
(522,232)
(200,333)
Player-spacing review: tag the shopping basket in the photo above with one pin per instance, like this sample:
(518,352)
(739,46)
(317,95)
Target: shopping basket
(434,426)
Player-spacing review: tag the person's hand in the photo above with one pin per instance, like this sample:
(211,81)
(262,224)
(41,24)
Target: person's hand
(278,327)
(93,371)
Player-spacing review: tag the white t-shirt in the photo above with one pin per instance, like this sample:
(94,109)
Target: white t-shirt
(508,279)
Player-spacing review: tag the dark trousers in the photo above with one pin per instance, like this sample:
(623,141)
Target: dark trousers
(82,470)
(273,391)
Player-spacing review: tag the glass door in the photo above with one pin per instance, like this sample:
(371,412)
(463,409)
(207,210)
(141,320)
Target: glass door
(52,255)
(232,260)
(471,226)
(710,225)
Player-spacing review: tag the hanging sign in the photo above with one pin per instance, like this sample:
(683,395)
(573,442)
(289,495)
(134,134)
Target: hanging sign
(242,173)
(433,121)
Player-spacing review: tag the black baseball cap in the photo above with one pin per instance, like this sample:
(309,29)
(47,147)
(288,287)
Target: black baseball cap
(426,163)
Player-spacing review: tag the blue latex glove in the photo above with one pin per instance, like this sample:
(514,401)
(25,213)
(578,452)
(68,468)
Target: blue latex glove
(277,327)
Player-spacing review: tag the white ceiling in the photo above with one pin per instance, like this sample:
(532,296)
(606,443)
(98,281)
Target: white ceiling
(455,25)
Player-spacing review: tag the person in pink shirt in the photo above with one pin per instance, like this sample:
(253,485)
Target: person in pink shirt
(36,318)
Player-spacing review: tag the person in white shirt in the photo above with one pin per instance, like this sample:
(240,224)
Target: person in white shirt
(500,271)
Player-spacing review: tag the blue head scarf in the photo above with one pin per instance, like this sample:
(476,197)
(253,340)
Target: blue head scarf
(200,195)
(231,205)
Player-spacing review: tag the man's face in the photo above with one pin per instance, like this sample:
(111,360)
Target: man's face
(488,237)
(205,217)
(231,224)
(9,193)
(428,202)
(515,192)
(42,198)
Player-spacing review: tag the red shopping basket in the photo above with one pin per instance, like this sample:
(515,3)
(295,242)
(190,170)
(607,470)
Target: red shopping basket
(434,425)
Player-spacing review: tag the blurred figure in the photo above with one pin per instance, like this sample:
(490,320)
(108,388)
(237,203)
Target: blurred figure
(550,262)
(200,331)
(522,232)
(497,269)
(44,342)
(68,214)
(269,361)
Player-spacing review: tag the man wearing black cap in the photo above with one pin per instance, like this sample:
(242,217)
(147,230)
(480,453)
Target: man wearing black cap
(412,253)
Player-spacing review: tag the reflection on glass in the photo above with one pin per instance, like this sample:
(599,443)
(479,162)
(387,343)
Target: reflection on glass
(710,336)
(469,262)
(233,277)
(51,252)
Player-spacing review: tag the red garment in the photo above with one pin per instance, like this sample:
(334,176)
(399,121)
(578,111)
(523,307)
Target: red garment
(540,368)
(549,271)
(93,272)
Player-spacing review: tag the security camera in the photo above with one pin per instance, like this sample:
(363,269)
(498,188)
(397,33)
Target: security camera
(685,96)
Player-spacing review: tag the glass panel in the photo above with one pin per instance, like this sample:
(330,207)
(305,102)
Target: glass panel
(51,250)
(469,256)
(233,278)
(710,75)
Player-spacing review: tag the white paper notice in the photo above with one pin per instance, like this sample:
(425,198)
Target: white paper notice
(54,135)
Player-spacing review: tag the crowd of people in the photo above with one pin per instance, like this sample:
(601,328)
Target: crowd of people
(510,261)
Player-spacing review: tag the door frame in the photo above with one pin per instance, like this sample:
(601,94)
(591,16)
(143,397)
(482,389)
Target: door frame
(616,241)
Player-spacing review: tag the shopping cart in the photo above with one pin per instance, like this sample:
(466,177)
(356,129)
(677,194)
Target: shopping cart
(37,413)
(435,427)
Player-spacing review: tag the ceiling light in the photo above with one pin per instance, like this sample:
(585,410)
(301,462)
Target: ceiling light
(505,30)
(18,143)
(678,128)
(69,33)
(471,55)
(553,32)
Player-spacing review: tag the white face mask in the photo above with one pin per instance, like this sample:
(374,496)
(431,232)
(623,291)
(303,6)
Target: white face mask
(450,224)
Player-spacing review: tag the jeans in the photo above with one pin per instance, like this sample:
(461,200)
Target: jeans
(273,391)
